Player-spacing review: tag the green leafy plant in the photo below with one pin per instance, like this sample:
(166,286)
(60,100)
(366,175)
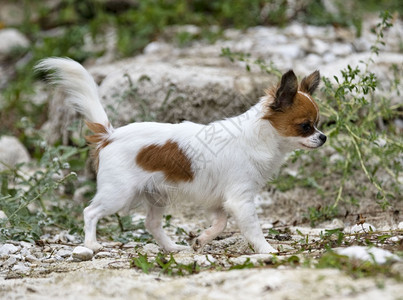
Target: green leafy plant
(166,265)
(366,154)
(321,213)
(353,108)
(29,193)
(247,264)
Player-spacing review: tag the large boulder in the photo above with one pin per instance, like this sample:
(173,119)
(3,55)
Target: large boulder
(168,83)
(170,92)
(11,39)
(148,89)
(12,152)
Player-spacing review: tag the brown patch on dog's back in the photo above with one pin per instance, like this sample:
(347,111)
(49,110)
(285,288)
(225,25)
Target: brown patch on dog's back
(98,141)
(168,158)
(288,122)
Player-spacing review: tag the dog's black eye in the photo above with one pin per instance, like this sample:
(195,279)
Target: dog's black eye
(306,127)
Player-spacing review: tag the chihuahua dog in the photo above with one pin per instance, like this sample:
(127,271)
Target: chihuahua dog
(220,166)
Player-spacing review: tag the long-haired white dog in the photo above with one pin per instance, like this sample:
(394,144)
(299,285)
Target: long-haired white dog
(220,166)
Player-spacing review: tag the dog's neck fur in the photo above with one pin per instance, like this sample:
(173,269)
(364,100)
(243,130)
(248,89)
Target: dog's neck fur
(258,139)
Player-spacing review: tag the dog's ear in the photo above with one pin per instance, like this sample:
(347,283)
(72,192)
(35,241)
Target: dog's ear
(286,92)
(310,83)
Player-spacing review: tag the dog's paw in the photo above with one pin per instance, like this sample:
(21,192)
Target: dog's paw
(197,246)
(177,248)
(266,249)
(94,246)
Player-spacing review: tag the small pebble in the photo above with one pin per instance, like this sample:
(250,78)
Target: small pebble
(103,254)
(7,249)
(3,215)
(9,262)
(112,244)
(366,227)
(82,253)
(377,255)
(64,253)
(25,252)
(31,259)
(396,238)
(47,249)
(254,259)
(26,245)
(21,268)
(129,245)
(151,249)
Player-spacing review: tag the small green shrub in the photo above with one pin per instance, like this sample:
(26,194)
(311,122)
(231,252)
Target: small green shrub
(165,264)
(369,155)
(29,194)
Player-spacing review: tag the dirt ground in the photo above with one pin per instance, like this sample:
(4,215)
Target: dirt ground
(110,275)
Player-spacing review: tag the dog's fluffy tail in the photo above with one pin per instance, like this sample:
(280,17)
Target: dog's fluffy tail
(80,87)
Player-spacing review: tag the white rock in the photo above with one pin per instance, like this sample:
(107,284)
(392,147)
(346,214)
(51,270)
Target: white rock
(366,227)
(313,61)
(49,260)
(112,244)
(64,253)
(9,262)
(189,258)
(18,256)
(400,226)
(25,252)
(336,223)
(12,151)
(289,51)
(204,260)
(396,238)
(151,249)
(26,245)
(7,249)
(10,39)
(21,268)
(340,49)
(377,255)
(173,88)
(362,44)
(295,30)
(254,259)
(3,215)
(320,47)
(157,47)
(329,57)
(103,254)
(327,33)
(336,157)
(31,259)
(266,226)
(130,245)
(82,253)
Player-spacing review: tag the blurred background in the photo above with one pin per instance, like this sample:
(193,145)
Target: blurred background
(176,60)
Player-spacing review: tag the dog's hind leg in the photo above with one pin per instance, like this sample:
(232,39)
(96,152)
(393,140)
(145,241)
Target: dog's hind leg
(101,206)
(92,214)
(153,224)
(219,218)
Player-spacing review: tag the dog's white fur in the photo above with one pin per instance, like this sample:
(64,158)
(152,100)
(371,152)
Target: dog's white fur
(231,159)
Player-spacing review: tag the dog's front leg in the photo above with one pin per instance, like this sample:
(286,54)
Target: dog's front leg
(244,212)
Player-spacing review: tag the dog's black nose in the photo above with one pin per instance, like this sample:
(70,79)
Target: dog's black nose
(322,137)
